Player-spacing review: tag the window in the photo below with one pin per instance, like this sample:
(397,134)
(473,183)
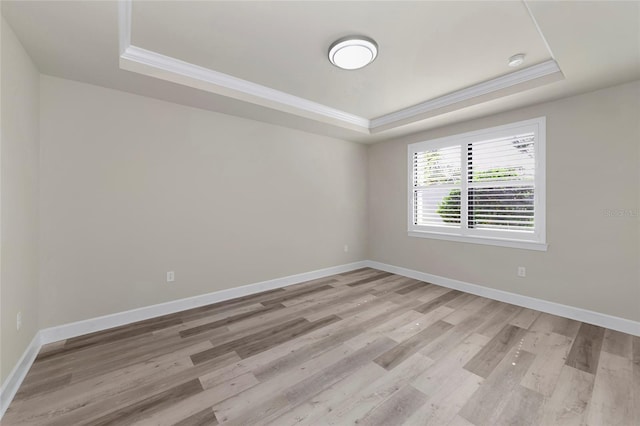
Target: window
(482,187)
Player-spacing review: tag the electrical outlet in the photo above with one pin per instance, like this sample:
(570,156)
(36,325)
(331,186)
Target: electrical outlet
(19,320)
(522,271)
(346,248)
(171,276)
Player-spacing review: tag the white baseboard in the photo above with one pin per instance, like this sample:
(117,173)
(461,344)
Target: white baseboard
(17,375)
(579,314)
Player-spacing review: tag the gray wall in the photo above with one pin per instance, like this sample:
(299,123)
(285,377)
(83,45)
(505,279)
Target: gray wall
(593,162)
(19,200)
(134,187)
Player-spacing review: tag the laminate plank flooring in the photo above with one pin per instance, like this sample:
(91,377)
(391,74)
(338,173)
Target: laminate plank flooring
(363,347)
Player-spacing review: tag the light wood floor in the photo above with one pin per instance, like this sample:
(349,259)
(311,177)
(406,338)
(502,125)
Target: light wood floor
(364,347)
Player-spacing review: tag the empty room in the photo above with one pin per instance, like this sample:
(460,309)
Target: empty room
(320,213)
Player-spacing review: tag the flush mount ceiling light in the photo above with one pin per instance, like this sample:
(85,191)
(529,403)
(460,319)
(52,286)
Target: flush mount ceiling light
(353,52)
(516,60)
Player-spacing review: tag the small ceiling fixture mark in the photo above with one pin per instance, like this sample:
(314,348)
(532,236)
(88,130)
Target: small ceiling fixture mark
(353,52)
(516,60)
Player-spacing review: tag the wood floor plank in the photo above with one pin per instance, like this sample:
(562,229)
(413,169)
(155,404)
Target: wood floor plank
(229,320)
(86,408)
(585,352)
(391,284)
(319,342)
(34,388)
(105,386)
(289,333)
(395,410)
(487,403)
(525,318)
(551,351)
(460,421)
(269,393)
(447,384)
(393,357)
(205,417)
(439,301)
(354,408)
(449,370)
(458,302)
(416,325)
(483,363)
(523,408)
(325,402)
(411,286)
(295,294)
(221,349)
(496,321)
(449,340)
(617,343)
(271,407)
(315,384)
(553,323)
(201,401)
(363,347)
(442,406)
(375,277)
(612,397)
(130,413)
(464,312)
(568,404)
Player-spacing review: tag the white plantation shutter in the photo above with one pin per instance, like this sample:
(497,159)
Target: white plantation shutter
(501,183)
(436,173)
(483,186)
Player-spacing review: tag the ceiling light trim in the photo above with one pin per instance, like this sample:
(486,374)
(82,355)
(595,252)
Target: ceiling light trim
(503,82)
(348,44)
(228,85)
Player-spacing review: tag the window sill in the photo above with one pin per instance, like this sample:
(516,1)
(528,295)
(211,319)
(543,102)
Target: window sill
(525,245)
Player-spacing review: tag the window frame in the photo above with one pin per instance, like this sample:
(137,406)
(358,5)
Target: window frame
(505,238)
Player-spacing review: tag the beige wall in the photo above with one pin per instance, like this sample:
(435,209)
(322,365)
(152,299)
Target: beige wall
(593,260)
(19,201)
(133,187)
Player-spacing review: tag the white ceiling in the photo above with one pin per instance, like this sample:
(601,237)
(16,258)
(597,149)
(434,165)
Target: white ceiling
(430,52)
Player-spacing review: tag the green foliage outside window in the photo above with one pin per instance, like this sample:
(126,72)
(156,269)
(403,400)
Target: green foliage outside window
(516,202)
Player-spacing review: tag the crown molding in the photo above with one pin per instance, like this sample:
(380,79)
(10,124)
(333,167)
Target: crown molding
(139,60)
(168,68)
(485,88)
(124,24)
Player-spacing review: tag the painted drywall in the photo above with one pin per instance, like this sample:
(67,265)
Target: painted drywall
(593,258)
(133,187)
(19,200)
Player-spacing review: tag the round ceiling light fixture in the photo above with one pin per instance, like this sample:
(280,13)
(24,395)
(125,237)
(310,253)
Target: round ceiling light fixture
(353,52)
(516,60)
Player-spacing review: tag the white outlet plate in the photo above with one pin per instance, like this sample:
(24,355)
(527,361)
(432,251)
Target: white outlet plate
(346,248)
(522,271)
(19,321)
(171,276)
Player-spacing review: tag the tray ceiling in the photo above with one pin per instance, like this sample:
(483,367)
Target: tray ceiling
(439,62)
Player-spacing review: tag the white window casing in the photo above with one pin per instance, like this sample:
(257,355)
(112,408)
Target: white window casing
(484,187)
